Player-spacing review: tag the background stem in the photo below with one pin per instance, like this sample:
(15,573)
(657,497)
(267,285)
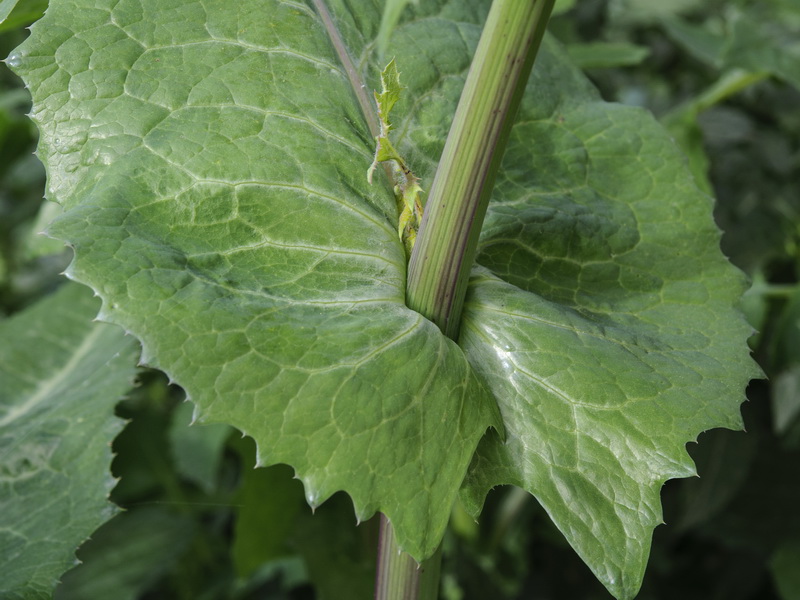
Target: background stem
(399,576)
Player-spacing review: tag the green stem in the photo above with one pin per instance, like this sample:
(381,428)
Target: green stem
(730,83)
(779,291)
(445,247)
(400,577)
(440,264)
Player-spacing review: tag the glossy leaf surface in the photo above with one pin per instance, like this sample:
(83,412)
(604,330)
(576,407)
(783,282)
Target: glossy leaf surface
(607,329)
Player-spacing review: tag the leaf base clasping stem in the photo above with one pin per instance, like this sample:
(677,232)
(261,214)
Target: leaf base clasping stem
(445,247)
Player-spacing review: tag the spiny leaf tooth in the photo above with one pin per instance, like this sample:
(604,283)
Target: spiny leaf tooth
(260,461)
(145,358)
(195,411)
(313,496)
(362,513)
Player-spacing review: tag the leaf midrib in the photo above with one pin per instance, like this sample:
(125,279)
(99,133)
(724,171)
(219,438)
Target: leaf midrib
(356,83)
(48,386)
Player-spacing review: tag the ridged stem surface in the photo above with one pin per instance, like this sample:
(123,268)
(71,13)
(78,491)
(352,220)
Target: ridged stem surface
(445,248)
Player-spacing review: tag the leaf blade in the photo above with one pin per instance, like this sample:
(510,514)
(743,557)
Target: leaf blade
(607,331)
(60,376)
(219,206)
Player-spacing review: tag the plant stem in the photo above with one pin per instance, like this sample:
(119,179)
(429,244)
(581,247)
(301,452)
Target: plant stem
(399,576)
(440,264)
(445,248)
(730,83)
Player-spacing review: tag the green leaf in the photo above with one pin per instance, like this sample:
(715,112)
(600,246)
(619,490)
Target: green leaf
(272,523)
(268,502)
(603,55)
(701,42)
(614,339)
(128,554)
(648,11)
(786,344)
(760,37)
(17,13)
(682,121)
(766,40)
(60,376)
(562,6)
(197,449)
(391,89)
(406,188)
(786,399)
(392,11)
(36,244)
(217,202)
(6,6)
(763,515)
(723,460)
(348,571)
(784,570)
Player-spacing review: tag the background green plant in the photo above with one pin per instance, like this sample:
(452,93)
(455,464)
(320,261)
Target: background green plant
(733,533)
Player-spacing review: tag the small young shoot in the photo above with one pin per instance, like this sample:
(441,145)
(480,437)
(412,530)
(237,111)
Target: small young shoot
(406,185)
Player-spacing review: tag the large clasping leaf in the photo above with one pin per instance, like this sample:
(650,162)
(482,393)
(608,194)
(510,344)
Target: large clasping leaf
(211,157)
(212,161)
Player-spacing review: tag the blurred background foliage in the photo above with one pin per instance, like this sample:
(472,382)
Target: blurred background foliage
(200,522)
